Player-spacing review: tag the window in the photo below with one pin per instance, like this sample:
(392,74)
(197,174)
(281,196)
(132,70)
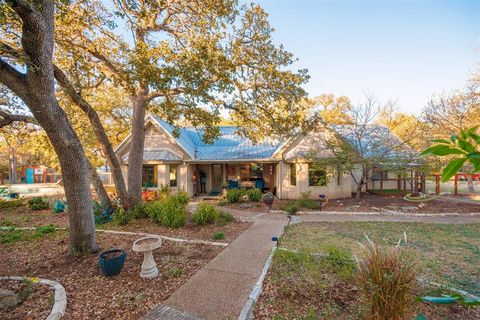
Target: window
(293,174)
(148,176)
(379,175)
(173,175)
(317,176)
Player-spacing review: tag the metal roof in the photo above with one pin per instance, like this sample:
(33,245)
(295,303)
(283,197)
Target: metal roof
(157,155)
(228,146)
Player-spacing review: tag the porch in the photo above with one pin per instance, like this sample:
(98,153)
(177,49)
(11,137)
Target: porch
(209,178)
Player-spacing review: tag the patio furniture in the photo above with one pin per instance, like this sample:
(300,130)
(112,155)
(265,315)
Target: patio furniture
(232,184)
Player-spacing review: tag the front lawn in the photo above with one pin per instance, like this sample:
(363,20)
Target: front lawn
(304,285)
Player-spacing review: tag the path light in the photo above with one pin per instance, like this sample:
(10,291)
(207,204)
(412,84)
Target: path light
(147,245)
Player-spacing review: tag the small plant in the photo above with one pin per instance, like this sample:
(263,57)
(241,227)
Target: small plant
(224,218)
(173,215)
(306,202)
(182,197)
(121,217)
(386,279)
(222,202)
(234,195)
(45,229)
(292,207)
(154,210)
(7,204)
(205,214)
(174,272)
(218,235)
(11,236)
(255,195)
(138,212)
(37,203)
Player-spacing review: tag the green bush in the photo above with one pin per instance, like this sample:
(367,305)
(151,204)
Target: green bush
(169,211)
(255,194)
(218,235)
(7,204)
(122,217)
(306,202)
(205,214)
(173,215)
(292,207)
(234,195)
(222,202)
(138,212)
(224,218)
(182,197)
(37,203)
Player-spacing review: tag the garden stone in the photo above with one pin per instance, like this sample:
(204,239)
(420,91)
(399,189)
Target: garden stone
(8,299)
(246,205)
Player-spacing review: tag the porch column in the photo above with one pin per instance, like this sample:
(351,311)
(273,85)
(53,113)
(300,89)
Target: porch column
(224,173)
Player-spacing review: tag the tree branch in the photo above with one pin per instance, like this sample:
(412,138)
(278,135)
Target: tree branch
(8,118)
(12,78)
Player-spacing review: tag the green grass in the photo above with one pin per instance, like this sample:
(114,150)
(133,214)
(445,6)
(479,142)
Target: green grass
(11,236)
(316,277)
(446,253)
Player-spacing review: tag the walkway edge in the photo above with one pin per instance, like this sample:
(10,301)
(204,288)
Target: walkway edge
(247,309)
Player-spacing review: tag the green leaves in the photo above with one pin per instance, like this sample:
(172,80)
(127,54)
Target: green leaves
(465,147)
(452,168)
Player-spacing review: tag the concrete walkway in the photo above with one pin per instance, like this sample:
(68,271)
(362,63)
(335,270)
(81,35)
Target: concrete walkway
(221,288)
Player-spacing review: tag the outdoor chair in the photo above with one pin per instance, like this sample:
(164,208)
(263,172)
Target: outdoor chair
(232,184)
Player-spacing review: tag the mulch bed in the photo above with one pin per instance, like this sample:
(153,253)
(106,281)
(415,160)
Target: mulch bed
(92,295)
(374,203)
(24,217)
(37,305)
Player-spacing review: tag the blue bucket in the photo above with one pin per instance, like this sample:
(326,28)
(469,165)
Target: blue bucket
(112,265)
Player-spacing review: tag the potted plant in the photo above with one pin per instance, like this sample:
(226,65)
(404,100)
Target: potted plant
(111,261)
(268,198)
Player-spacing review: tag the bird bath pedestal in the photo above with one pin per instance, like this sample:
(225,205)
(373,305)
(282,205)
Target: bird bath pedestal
(147,245)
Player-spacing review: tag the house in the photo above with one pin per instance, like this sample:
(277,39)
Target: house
(186,163)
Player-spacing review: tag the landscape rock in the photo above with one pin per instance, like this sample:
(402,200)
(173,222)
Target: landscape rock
(8,299)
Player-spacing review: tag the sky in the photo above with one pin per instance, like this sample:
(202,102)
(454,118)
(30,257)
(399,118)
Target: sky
(405,51)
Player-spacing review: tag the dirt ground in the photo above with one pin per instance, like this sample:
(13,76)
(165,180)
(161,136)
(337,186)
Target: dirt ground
(24,217)
(92,295)
(376,203)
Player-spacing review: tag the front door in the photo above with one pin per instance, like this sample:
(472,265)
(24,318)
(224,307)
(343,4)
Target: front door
(216,177)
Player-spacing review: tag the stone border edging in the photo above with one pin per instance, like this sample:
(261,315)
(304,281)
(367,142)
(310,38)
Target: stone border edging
(383,213)
(143,234)
(58,309)
(247,309)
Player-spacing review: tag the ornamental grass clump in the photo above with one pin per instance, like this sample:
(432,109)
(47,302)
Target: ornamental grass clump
(386,279)
(205,214)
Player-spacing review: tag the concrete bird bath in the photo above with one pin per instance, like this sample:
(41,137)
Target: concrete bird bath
(147,245)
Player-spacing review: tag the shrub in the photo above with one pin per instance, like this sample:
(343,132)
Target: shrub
(234,195)
(205,214)
(306,202)
(7,204)
(121,216)
(138,212)
(222,202)
(218,235)
(182,197)
(173,215)
(254,194)
(154,210)
(37,203)
(224,218)
(45,229)
(386,279)
(292,207)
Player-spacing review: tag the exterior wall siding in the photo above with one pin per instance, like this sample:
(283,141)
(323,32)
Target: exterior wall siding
(332,190)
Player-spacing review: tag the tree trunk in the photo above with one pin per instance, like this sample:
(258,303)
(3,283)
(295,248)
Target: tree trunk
(13,169)
(137,142)
(98,186)
(37,89)
(99,131)
(358,194)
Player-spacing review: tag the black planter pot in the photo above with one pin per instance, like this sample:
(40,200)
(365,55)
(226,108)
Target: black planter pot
(112,265)
(268,201)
